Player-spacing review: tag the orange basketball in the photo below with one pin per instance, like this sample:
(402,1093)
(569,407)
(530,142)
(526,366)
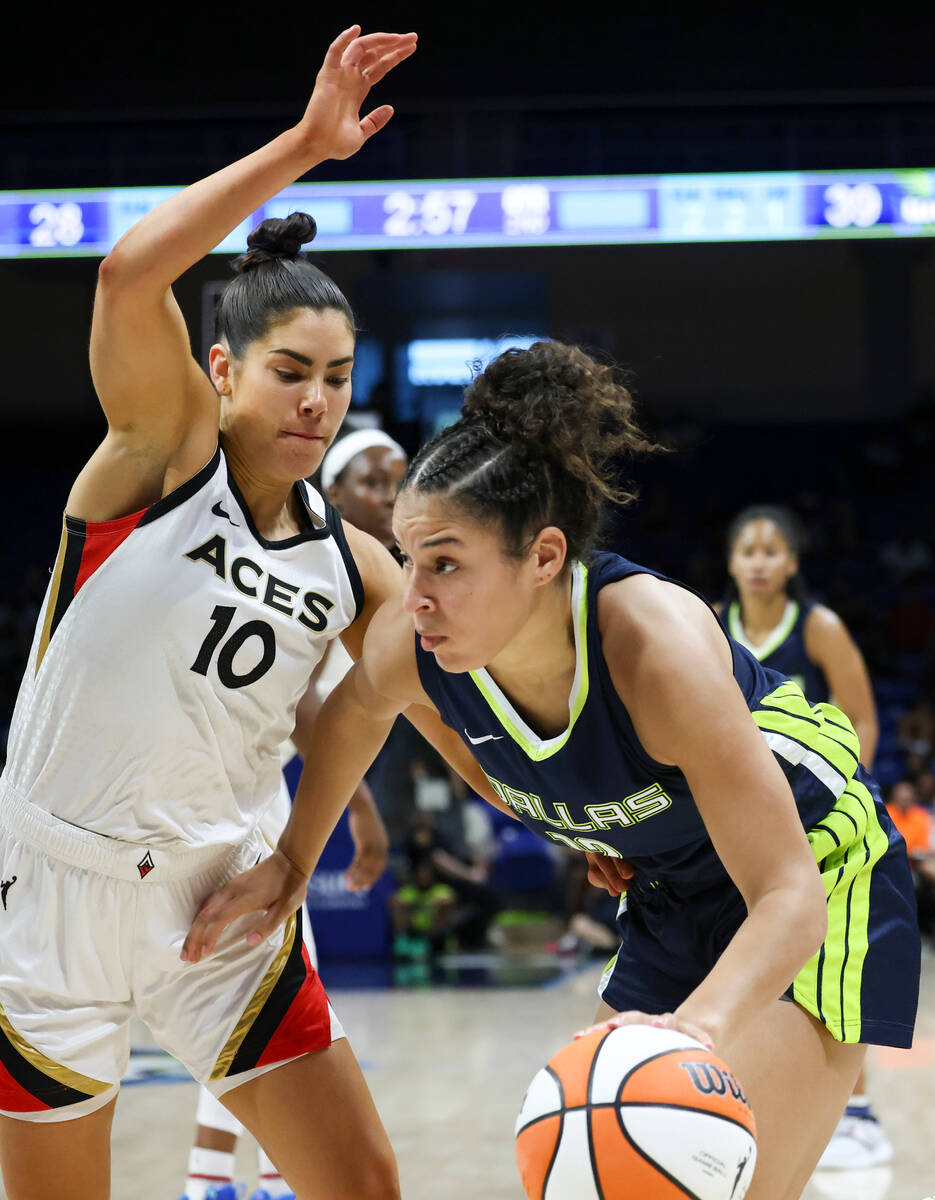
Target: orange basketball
(635,1113)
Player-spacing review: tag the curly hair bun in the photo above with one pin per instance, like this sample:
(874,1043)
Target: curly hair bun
(277,238)
(556,402)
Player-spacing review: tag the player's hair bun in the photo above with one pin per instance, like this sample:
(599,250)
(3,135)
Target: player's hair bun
(277,238)
(555,402)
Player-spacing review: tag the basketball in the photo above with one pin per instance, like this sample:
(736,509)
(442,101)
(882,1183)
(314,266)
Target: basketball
(635,1112)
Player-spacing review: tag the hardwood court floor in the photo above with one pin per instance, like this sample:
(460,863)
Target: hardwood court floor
(448,1069)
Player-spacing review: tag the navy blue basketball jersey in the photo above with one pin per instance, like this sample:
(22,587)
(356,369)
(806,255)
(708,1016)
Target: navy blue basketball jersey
(784,650)
(594,787)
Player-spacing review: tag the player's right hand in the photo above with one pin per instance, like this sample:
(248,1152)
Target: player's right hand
(272,890)
(332,126)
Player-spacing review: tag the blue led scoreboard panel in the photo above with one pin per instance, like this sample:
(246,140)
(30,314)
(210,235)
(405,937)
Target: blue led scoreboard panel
(600,210)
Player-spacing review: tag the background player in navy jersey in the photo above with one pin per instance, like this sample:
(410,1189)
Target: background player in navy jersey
(770,613)
(360,475)
(199,580)
(771,911)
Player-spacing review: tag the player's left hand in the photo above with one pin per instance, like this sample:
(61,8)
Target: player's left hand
(272,890)
(332,125)
(659,1020)
(371,844)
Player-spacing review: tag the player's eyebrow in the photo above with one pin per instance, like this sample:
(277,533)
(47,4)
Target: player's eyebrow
(442,541)
(306,361)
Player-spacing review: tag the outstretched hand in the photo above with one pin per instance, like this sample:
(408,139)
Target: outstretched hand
(332,125)
(273,890)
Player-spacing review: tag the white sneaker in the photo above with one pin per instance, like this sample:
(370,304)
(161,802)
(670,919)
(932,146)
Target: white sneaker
(857,1143)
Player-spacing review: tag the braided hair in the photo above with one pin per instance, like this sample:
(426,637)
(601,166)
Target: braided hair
(272,280)
(536,445)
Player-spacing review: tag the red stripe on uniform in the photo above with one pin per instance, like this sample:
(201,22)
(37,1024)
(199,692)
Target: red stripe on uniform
(15,1098)
(307,1024)
(101,539)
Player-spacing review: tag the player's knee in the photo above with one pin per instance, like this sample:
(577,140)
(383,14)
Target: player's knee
(377,1176)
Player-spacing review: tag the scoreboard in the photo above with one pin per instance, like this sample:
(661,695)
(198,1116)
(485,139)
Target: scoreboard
(592,210)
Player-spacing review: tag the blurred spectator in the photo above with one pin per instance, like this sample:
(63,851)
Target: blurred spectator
(917,729)
(453,833)
(591,913)
(422,911)
(925,788)
(912,820)
(916,824)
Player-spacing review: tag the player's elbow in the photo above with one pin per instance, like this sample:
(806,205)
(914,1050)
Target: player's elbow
(119,272)
(113,270)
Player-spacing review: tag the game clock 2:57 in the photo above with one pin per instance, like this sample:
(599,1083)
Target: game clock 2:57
(437,212)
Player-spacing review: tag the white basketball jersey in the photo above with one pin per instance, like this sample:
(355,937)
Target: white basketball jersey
(170,654)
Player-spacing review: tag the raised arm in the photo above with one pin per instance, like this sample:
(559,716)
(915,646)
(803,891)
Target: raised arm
(161,409)
(830,645)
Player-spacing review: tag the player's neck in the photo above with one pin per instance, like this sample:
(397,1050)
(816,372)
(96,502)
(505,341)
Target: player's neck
(536,670)
(761,614)
(273,504)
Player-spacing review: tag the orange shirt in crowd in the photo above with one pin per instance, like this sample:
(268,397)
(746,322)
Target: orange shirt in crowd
(915,824)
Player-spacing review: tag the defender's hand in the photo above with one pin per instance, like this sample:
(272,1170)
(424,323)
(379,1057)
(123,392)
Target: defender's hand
(611,874)
(332,125)
(273,890)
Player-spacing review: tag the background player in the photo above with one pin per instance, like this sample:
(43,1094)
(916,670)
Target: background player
(611,714)
(197,583)
(360,475)
(770,613)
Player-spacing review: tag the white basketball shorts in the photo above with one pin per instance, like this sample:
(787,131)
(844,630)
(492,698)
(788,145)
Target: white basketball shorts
(90,931)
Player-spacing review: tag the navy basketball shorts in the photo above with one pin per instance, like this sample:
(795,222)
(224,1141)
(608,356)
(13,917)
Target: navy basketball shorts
(92,928)
(862,984)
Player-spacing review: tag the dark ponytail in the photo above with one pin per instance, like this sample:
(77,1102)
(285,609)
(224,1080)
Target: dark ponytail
(540,435)
(272,279)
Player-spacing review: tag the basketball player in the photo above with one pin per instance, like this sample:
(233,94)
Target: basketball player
(612,714)
(770,615)
(360,475)
(198,582)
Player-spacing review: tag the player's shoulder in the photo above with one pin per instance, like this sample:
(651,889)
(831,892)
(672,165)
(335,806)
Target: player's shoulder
(819,616)
(824,633)
(651,609)
(657,637)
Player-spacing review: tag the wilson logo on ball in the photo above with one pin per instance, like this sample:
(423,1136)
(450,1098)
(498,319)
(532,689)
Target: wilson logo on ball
(708,1079)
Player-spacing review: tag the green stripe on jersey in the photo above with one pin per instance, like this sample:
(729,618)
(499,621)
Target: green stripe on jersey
(829,985)
(818,736)
(789,698)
